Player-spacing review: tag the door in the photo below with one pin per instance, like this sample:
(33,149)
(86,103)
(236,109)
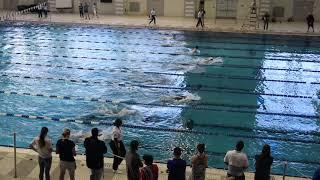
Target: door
(226,9)
(301,8)
(10,4)
(158,5)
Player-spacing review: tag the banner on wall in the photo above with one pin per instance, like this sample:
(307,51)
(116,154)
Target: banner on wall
(63,4)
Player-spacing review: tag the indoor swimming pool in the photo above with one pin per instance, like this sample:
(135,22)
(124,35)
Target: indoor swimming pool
(256,88)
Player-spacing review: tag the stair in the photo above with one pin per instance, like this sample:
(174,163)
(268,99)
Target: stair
(52,5)
(264,6)
(251,21)
(189,8)
(119,7)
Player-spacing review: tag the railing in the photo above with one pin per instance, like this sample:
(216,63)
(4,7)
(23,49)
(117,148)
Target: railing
(12,15)
(284,164)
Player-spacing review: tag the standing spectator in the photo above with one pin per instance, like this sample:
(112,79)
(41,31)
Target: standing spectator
(316,175)
(265,19)
(150,171)
(81,11)
(176,166)
(39,10)
(43,146)
(133,161)
(203,12)
(152,16)
(95,149)
(117,145)
(263,164)
(199,164)
(66,150)
(310,21)
(94,10)
(45,10)
(199,19)
(86,11)
(237,162)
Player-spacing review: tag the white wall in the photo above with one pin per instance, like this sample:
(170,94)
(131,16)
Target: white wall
(243,9)
(288,7)
(174,8)
(143,7)
(1,4)
(25,2)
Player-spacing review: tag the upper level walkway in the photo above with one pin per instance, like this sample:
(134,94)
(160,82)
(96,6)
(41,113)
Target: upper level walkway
(178,23)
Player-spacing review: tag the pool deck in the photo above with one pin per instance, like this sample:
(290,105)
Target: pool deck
(174,23)
(27,168)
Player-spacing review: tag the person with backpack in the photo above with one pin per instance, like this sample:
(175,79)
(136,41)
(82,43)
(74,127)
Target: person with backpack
(150,171)
(199,163)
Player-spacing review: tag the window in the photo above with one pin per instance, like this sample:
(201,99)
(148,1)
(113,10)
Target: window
(106,1)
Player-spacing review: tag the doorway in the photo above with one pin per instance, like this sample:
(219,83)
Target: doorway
(226,9)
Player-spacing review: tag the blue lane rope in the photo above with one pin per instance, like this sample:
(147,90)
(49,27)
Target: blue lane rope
(188,88)
(182,64)
(154,45)
(214,65)
(191,107)
(212,37)
(186,54)
(127,70)
(161,129)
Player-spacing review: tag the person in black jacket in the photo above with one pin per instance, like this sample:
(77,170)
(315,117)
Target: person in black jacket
(310,21)
(95,149)
(263,164)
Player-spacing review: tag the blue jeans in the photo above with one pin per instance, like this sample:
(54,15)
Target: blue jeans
(45,165)
(96,174)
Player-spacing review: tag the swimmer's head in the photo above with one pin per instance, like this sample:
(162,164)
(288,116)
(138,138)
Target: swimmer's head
(117,122)
(66,133)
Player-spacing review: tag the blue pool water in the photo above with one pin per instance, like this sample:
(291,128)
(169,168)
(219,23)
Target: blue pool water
(139,71)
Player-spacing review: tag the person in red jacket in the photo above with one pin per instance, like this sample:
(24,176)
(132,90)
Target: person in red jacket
(150,171)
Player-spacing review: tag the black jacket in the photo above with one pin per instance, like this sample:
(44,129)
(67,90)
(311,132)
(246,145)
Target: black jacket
(95,149)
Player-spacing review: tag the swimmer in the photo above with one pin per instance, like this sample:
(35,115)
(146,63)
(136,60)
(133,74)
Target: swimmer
(195,51)
(211,60)
(261,101)
(189,124)
(80,136)
(185,98)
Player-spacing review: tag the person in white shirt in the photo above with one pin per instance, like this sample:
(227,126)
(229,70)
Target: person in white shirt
(237,162)
(117,145)
(200,18)
(152,16)
(94,9)
(43,146)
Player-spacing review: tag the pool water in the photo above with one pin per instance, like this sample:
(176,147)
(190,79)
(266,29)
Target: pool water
(263,91)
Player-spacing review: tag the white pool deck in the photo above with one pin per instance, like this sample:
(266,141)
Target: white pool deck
(175,23)
(27,168)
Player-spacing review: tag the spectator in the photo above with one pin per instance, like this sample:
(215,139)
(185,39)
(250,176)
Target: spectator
(117,145)
(310,21)
(263,164)
(39,10)
(45,10)
(203,12)
(94,10)
(199,163)
(237,162)
(265,19)
(86,11)
(95,149)
(81,11)
(133,161)
(199,19)
(66,150)
(43,146)
(152,16)
(150,171)
(176,166)
(316,175)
